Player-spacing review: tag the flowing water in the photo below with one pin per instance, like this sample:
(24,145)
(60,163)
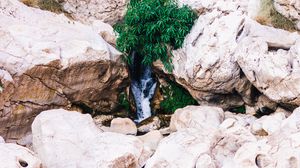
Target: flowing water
(143,86)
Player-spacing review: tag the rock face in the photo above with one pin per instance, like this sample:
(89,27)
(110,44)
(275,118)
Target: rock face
(270,60)
(227,56)
(290,9)
(48,61)
(108,11)
(64,139)
(205,64)
(13,156)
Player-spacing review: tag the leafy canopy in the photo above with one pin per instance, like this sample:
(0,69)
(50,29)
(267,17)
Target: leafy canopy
(153,28)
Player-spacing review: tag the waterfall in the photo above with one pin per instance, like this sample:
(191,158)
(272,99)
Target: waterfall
(143,86)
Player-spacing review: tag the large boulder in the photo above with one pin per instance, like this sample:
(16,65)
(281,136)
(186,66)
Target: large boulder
(290,9)
(48,61)
(198,117)
(108,11)
(205,64)
(180,149)
(269,58)
(13,156)
(65,139)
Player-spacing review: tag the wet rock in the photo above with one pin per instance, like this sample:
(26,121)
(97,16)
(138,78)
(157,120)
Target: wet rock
(48,61)
(123,125)
(63,139)
(154,123)
(199,117)
(15,156)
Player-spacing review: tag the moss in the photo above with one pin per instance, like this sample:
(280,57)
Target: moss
(269,16)
(175,97)
(123,101)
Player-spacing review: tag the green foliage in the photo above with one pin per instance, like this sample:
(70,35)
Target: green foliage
(175,97)
(240,109)
(123,101)
(153,28)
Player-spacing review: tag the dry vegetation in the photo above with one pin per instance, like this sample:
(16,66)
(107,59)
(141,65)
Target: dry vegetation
(269,16)
(50,5)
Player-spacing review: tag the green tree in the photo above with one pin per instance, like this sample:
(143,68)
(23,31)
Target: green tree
(153,28)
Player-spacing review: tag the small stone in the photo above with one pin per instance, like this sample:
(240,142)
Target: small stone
(123,125)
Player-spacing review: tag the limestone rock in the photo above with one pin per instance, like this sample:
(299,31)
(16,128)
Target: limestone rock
(151,139)
(180,149)
(123,125)
(64,139)
(267,125)
(199,117)
(48,61)
(290,9)
(15,156)
(108,11)
(269,58)
(205,64)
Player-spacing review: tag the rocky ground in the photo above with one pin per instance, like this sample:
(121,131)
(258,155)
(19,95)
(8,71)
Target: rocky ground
(54,66)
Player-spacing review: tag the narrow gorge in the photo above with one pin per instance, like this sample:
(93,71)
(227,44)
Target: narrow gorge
(149,84)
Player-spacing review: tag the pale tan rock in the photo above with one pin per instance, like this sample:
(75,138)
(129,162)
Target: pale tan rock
(199,117)
(64,139)
(15,156)
(108,11)
(180,149)
(151,139)
(150,125)
(123,125)
(49,61)
(269,58)
(267,125)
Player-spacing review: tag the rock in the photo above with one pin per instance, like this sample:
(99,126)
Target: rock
(154,123)
(290,9)
(48,61)
(269,58)
(267,125)
(205,161)
(151,139)
(205,65)
(254,154)
(26,141)
(180,149)
(123,125)
(108,11)
(228,141)
(264,102)
(69,139)
(103,120)
(13,156)
(199,117)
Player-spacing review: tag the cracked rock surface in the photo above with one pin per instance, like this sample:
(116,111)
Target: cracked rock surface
(108,11)
(228,59)
(48,61)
